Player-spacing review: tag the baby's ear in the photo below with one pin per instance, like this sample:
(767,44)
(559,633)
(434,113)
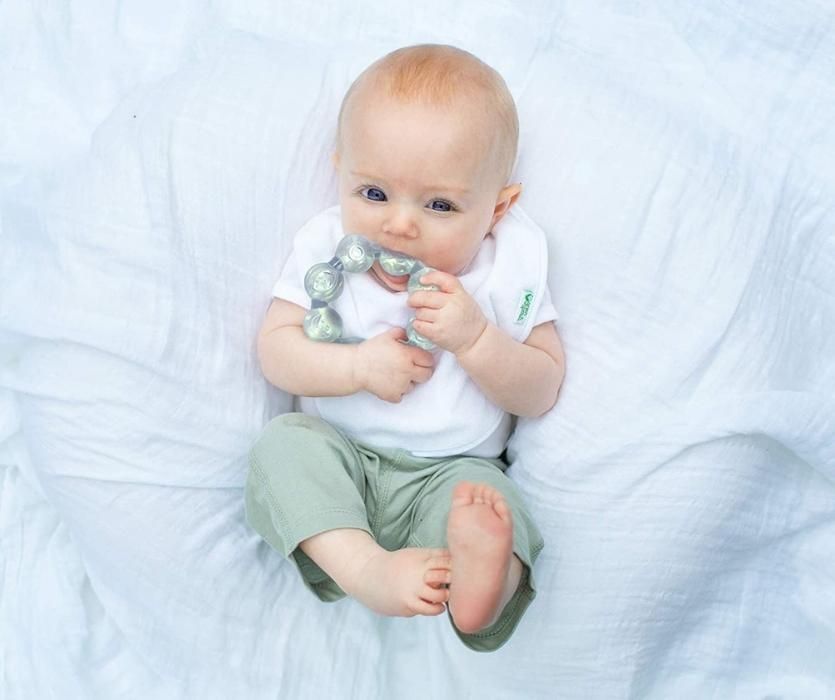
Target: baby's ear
(506,199)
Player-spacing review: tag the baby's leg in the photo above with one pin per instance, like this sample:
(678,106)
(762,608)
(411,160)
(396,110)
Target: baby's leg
(472,508)
(406,582)
(304,496)
(486,572)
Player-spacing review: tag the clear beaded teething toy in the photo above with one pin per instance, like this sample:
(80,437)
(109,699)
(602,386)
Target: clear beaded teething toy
(324,282)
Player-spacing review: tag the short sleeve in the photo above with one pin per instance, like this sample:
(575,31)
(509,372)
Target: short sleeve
(519,293)
(314,242)
(547,311)
(290,283)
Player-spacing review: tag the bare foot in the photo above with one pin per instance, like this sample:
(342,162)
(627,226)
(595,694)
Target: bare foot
(480,540)
(405,583)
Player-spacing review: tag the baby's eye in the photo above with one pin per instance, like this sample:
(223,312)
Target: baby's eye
(375,194)
(441,205)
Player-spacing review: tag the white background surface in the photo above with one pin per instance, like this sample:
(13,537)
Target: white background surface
(155,159)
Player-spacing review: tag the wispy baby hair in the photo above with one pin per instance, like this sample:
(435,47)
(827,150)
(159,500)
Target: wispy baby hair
(438,74)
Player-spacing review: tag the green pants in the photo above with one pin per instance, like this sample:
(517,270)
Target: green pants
(307,477)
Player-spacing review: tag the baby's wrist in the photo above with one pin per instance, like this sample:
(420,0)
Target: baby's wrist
(468,349)
(357,373)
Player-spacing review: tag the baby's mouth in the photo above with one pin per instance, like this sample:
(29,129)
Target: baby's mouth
(390,282)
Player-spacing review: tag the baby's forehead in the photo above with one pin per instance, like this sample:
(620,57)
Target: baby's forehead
(370,91)
(465,107)
(459,124)
(442,78)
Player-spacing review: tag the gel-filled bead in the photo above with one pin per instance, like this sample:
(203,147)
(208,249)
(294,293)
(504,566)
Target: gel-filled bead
(356,253)
(417,339)
(396,264)
(323,282)
(323,324)
(414,280)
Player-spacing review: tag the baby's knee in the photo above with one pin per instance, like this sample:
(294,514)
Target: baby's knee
(286,432)
(290,422)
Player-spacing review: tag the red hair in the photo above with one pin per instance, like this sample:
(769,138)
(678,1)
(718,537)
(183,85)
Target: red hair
(437,74)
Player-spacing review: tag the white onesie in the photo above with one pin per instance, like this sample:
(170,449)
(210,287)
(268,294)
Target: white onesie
(448,415)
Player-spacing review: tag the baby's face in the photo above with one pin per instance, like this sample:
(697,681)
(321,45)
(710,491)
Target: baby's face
(417,179)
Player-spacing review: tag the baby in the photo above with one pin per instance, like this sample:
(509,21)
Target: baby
(388,485)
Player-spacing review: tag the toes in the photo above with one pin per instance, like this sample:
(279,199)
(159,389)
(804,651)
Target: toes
(482,494)
(422,607)
(434,595)
(441,562)
(463,493)
(437,576)
(466,492)
(489,495)
(502,510)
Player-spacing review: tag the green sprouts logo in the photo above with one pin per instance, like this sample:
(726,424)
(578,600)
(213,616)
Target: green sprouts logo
(525,302)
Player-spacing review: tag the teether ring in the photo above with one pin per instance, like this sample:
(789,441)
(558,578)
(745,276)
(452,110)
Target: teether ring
(324,282)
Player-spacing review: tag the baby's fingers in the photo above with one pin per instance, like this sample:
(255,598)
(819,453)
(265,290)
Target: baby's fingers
(422,358)
(422,374)
(396,333)
(429,300)
(446,282)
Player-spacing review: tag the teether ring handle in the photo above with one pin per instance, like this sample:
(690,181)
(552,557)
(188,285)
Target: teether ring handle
(325,281)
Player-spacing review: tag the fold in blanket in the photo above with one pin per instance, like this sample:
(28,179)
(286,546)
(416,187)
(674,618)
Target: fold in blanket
(156,164)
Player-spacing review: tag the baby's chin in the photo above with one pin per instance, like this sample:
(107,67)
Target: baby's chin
(393,284)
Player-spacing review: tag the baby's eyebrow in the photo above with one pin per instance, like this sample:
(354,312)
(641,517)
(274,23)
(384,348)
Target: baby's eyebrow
(448,188)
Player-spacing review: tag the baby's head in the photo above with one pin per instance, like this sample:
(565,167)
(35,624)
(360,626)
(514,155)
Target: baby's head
(426,144)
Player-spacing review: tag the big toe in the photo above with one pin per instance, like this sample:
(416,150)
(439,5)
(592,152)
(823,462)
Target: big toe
(464,493)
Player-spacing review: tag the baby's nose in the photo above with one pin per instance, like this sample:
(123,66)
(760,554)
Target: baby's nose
(400,223)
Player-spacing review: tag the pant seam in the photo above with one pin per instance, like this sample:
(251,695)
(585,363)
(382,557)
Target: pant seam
(258,470)
(385,492)
(508,613)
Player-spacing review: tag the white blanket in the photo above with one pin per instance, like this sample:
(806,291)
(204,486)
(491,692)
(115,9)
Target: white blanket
(155,159)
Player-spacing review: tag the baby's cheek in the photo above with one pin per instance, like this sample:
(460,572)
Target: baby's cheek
(444,259)
(354,224)
(357,218)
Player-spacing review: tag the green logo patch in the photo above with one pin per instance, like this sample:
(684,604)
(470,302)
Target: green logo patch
(525,302)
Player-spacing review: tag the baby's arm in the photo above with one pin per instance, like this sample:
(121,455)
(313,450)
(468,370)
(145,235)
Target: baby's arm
(291,361)
(522,378)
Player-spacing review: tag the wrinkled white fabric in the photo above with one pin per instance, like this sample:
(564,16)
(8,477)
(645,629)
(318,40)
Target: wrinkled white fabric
(155,160)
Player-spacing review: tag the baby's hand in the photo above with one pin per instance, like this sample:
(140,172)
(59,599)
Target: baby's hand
(388,368)
(450,318)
